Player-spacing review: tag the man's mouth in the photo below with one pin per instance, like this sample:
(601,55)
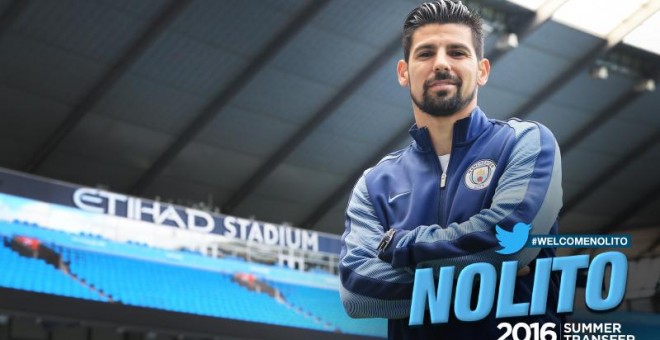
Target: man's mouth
(441,84)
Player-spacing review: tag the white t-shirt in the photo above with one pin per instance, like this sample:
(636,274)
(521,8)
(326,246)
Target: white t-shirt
(444,160)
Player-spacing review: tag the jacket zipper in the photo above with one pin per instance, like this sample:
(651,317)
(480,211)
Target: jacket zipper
(441,188)
(443,183)
(443,193)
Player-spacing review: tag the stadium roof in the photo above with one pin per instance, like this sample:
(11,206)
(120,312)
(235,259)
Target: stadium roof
(272,109)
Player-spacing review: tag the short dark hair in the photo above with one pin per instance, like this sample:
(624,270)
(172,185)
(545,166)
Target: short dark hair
(443,12)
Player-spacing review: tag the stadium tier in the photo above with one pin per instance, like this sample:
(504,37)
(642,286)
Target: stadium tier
(48,261)
(36,275)
(323,303)
(163,286)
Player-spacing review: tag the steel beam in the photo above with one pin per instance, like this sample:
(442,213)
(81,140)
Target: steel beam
(348,184)
(155,30)
(225,96)
(611,171)
(304,131)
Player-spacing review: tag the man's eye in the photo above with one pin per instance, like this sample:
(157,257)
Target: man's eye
(457,53)
(425,54)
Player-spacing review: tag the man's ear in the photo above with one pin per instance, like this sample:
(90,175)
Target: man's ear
(402,72)
(484,72)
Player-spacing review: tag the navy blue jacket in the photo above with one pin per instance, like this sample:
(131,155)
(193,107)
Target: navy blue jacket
(499,173)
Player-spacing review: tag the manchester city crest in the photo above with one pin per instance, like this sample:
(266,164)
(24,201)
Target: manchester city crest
(479,174)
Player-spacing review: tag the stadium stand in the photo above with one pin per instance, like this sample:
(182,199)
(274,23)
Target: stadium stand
(88,267)
(325,304)
(35,274)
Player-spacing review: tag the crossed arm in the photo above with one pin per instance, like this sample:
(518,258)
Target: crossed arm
(528,191)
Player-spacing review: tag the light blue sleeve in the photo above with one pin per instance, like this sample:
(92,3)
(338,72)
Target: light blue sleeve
(369,287)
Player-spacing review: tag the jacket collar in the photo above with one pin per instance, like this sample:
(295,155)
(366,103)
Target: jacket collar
(465,131)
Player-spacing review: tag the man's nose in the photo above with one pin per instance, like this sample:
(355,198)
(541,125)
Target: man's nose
(441,63)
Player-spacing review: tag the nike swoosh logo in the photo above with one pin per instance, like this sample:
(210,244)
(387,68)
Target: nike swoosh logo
(392,198)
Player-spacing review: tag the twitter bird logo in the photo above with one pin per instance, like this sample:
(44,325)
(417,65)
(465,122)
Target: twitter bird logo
(513,241)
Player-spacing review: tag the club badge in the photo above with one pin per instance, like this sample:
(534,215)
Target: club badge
(479,174)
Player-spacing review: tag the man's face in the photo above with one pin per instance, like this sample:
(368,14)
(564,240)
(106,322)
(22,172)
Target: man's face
(443,71)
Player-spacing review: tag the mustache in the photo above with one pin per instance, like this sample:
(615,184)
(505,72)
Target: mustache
(442,76)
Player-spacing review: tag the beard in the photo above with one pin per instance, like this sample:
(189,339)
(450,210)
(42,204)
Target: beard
(438,104)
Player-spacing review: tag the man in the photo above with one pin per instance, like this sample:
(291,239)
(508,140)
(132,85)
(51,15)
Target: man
(437,202)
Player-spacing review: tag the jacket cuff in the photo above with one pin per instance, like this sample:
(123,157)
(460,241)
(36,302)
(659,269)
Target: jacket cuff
(397,257)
